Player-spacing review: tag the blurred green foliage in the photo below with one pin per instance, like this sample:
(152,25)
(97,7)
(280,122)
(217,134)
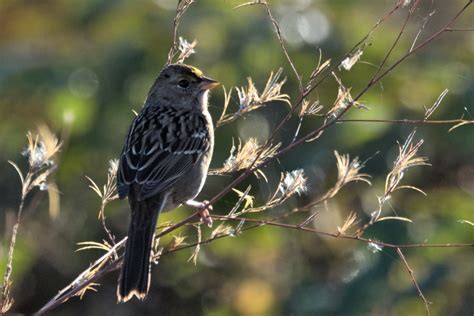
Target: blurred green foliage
(83,66)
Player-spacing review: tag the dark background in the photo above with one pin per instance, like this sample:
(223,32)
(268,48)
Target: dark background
(82,66)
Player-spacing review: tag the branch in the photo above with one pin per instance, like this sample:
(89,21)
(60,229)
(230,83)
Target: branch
(106,263)
(282,44)
(408,121)
(372,82)
(412,276)
(337,234)
(182,7)
(100,267)
(397,39)
(253,167)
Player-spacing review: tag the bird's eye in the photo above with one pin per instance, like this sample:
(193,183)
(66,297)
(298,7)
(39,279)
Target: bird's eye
(183,83)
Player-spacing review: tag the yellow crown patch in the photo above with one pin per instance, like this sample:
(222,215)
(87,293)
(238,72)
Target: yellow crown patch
(197,72)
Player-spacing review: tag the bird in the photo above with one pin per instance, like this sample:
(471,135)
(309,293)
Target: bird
(163,164)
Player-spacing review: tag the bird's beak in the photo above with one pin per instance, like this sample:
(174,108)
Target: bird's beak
(208,83)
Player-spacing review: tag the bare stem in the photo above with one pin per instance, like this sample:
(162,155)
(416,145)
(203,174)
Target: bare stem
(372,82)
(99,268)
(105,265)
(412,276)
(182,7)
(282,44)
(397,40)
(407,121)
(261,222)
(5,300)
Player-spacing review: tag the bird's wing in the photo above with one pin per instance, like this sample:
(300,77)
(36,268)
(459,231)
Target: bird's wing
(162,145)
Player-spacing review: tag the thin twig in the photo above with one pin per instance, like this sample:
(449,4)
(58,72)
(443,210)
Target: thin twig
(372,82)
(261,222)
(41,150)
(252,167)
(469,29)
(422,27)
(100,267)
(407,121)
(5,301)
(397,39)
(412,275)
(282,44)
(181,8)
(111,265)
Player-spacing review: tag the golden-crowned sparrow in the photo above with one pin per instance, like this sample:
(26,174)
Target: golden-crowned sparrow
(163,164)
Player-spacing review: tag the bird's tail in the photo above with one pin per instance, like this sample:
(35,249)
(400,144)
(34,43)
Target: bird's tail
(135,275)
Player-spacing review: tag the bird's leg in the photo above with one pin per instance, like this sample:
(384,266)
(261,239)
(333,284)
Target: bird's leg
(203,208)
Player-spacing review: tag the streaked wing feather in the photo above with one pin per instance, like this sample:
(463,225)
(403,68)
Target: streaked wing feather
(162,145)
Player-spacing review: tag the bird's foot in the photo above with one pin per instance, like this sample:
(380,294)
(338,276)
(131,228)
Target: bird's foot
(203,208)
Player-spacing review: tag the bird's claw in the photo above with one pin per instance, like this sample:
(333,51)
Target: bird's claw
(204,213)
(203,209)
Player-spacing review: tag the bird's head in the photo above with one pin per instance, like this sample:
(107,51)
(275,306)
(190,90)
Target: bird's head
(183,85)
